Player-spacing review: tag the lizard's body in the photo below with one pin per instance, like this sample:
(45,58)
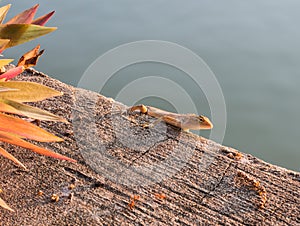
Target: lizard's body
(183,121)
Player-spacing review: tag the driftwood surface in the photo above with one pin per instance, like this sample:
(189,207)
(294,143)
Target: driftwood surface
(128,174)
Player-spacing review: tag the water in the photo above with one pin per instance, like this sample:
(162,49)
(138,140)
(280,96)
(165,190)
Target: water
(253,47)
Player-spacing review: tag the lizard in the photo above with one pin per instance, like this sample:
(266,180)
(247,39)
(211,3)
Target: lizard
(183,121)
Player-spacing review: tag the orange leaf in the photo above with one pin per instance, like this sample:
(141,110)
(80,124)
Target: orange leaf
(5,206)
(25,129)
(16,140)
(30,58)
(25,17)
(43,19)
(12,73)
(10,157)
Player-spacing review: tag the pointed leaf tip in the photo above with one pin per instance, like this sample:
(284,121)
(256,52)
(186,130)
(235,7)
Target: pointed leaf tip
(14,107)
(21,33)
(16,140)
(43,19)
(9,156)
(3,12)
(5,206)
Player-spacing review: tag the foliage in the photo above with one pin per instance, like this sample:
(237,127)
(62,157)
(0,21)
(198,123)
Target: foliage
(13,130)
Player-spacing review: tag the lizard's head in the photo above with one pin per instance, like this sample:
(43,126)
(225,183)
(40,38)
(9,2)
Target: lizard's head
(196,122)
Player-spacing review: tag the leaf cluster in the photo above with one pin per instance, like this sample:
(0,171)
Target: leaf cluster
(14,94)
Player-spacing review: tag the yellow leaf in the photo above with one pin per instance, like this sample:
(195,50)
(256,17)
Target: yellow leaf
(20,33)
(16,140)
(14,107)
(4,62)
(5,206)
(7,155)
(3,12)
(3,44)
(27,91)
(25,129)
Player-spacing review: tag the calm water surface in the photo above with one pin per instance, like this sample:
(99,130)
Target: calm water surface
(253,47)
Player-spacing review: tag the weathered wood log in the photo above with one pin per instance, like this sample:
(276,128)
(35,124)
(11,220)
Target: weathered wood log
(127,174)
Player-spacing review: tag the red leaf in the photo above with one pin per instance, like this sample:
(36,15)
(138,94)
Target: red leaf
(12,73)
(25,17)
(43,19)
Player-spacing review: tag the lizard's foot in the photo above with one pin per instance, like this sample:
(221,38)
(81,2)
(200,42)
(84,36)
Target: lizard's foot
(152,124)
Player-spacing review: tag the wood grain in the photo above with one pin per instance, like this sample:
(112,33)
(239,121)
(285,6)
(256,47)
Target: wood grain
(131,175)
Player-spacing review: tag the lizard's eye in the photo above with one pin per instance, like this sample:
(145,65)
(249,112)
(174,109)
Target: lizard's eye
(201,119)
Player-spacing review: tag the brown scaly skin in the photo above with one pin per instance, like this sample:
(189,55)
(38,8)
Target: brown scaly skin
(183,121)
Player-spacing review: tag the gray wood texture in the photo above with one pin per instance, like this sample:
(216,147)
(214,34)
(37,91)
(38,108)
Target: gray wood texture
(128,174)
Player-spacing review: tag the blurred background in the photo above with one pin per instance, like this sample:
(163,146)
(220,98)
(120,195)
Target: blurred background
(253,48)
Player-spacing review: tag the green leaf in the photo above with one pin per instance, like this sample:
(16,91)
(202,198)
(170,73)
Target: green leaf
(14,107)
(27,91)
(20,33)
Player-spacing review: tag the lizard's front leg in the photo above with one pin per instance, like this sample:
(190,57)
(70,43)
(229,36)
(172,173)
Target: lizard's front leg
(142,108)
